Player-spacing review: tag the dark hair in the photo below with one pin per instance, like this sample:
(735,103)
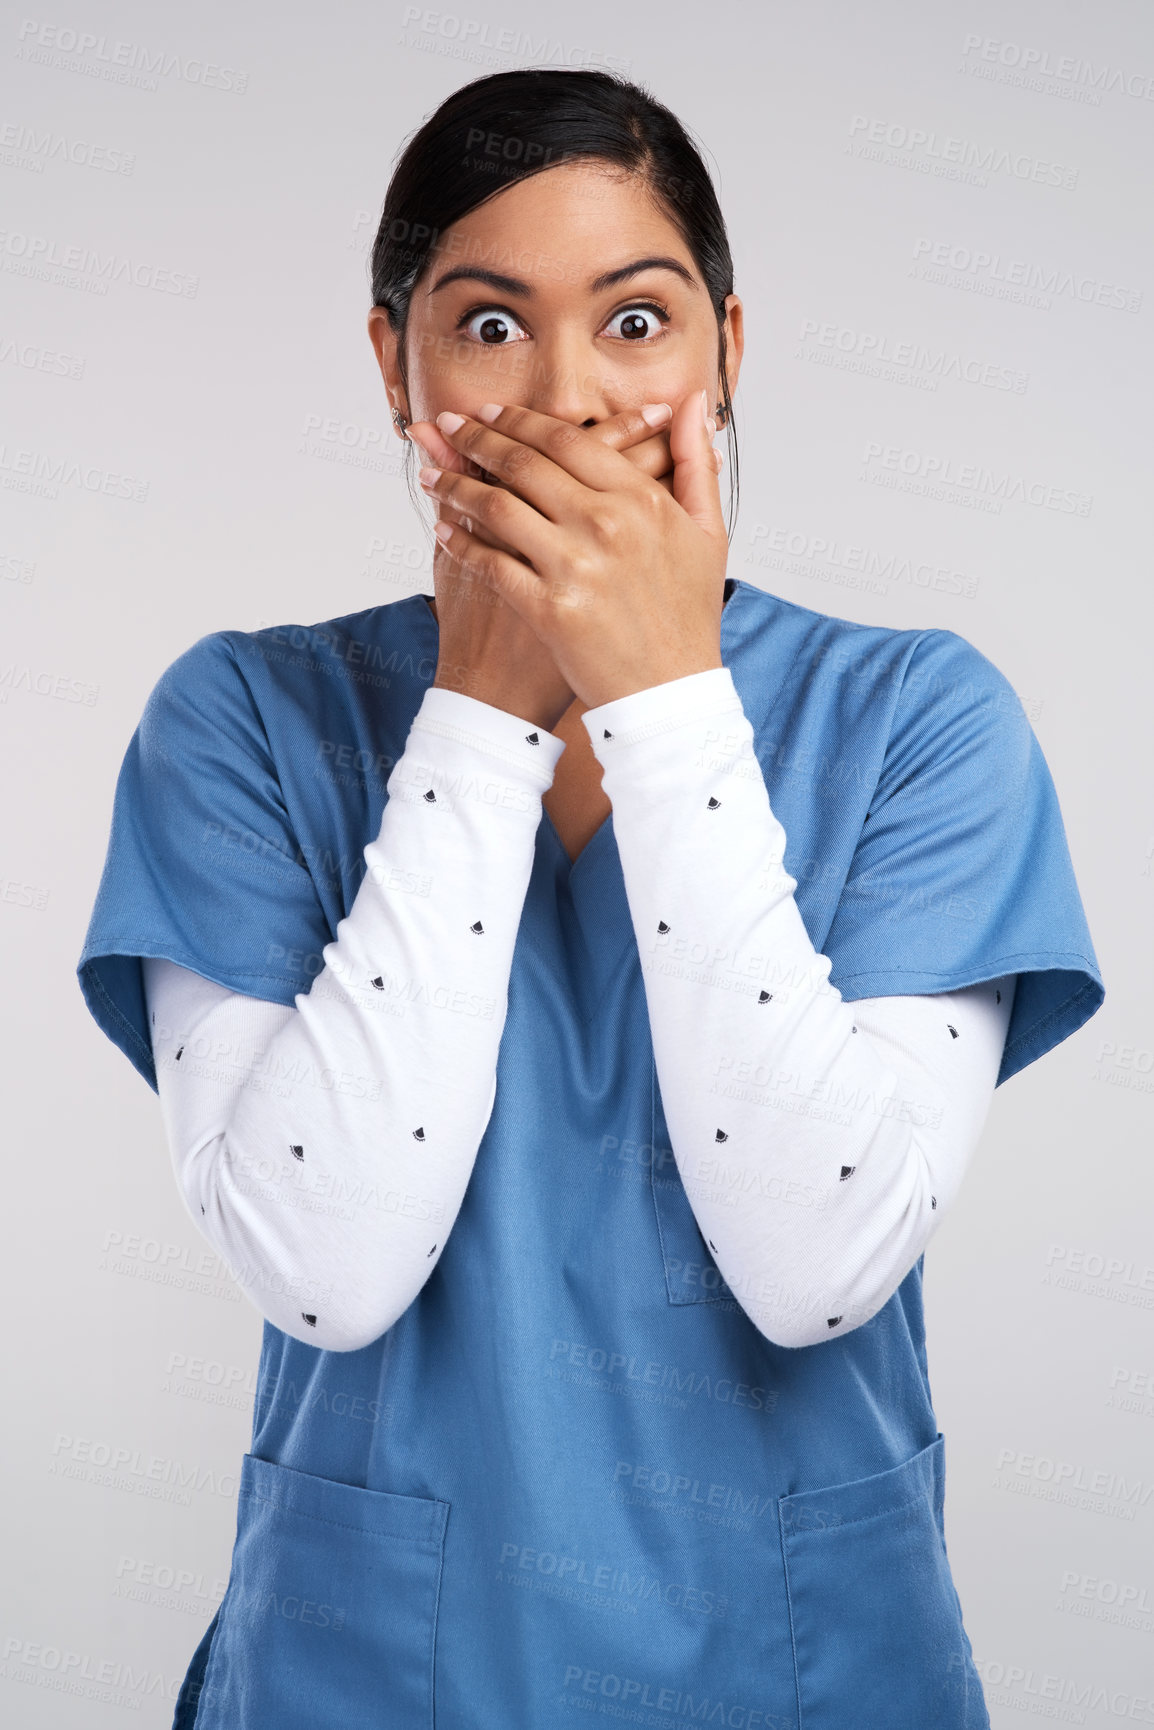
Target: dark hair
(539,117)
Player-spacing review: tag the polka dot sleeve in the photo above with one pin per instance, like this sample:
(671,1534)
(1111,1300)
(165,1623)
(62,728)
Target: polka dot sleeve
(819,1141)
(324,1150)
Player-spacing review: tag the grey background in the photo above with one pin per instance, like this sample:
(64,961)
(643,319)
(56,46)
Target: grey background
(251,418)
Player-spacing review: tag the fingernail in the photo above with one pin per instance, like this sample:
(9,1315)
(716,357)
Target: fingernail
(429,476)
(711,426)
(705,406)
(442,530)
(489,411)
(653,413)
(449,423)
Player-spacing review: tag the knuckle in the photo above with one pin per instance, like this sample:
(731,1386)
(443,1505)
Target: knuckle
(519,461)
(562,438)
(486,563)
(498,506)
(581,568)
(603,521)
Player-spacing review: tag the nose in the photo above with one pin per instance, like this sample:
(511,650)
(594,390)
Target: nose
(567,378)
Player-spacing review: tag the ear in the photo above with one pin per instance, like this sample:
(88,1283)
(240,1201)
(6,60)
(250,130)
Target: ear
(734,340)
(386,347)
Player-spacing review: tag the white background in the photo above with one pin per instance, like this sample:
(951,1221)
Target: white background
(852,146)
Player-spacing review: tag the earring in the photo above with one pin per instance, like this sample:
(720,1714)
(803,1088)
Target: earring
(720,414)
(399,420)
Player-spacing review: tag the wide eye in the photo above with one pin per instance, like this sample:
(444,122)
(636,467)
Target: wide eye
(638,323)
(492,326)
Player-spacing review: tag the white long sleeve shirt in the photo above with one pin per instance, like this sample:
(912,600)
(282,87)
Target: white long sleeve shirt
(293,1131)
(872,1107)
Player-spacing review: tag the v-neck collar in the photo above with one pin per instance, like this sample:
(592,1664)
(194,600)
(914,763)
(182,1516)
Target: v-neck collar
(601,836)
(591,847)
(593,882)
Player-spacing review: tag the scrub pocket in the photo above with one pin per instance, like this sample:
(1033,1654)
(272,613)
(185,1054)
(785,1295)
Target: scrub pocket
(330,1615)
(691,1274)
(878,1640)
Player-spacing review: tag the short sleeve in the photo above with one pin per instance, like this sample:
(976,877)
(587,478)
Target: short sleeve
(202,865)
(963,872)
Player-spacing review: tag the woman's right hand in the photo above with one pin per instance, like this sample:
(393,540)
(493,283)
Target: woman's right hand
(486,649)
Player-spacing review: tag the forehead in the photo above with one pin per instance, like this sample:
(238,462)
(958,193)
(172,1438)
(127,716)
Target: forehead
(562,226)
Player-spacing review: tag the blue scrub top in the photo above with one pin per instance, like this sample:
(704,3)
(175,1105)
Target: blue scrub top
(573,1476)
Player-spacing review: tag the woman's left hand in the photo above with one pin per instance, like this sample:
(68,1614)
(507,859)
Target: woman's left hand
(624,581)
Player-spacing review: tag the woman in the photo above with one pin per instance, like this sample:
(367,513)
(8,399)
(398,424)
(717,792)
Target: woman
(579,1140)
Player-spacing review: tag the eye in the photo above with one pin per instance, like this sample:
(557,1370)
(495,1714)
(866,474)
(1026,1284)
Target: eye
(495,326)
(642,322)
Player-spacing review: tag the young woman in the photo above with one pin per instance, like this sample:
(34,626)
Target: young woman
(574,998)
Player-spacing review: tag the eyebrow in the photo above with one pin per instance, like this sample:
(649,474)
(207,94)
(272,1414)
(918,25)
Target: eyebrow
(609,279)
